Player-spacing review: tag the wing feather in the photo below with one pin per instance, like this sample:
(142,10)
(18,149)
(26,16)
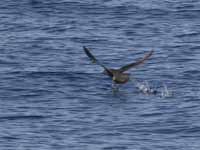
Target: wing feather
(94,60)
(134,64)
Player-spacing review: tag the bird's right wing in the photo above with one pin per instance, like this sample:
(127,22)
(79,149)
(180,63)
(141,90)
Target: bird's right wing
(94,60)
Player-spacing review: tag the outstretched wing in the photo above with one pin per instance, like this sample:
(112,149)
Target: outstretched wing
(141,61)
(94,60)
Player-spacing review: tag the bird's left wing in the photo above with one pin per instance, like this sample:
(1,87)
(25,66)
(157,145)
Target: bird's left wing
(134,64)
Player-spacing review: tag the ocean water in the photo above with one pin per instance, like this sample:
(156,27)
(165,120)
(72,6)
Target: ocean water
(52,97)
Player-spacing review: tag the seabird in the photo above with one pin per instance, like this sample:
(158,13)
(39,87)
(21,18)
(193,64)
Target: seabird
(118,75)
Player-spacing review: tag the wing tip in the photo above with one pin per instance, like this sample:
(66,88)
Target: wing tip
(87,51)
(92,58)
(85,48)
(148,54)
(151,51)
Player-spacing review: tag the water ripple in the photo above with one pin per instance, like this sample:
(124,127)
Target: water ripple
(51,97)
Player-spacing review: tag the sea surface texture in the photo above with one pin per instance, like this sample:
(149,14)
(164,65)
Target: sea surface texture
(53,98)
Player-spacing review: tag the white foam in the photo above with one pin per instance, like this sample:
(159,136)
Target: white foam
(165,92)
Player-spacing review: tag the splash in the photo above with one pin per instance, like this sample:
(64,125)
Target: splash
(165,92)
(146,88)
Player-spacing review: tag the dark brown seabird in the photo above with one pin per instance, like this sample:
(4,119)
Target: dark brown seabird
(118,75)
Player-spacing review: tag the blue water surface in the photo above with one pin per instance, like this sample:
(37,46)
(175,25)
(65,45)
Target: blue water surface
(53,98)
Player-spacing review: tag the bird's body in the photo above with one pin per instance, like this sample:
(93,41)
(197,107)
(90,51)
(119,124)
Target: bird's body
(118,75)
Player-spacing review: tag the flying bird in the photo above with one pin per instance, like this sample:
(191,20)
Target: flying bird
(119,76)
